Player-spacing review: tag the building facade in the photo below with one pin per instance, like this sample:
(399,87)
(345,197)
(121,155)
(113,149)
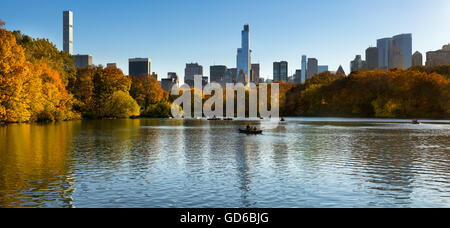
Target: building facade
(372,58)
(417,59)
(217,73)
(322,68)
(383,53)
(114,65)
(68,32)
(244,55)
(439,57)
(357,64)
(400,52)
(83,61)
(303,78)
(192,70)
(313,67)
(139,66)
(255,73)
(280,71)
(168,83)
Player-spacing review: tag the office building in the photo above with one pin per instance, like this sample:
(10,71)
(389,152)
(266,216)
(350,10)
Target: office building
(357,64)
(244,56)
(383,53)
(400,52)
(255,73)
(83,61)
(372,58)
(114,65)
(217,73)
(68,32)
(395,52)
(280,71)
(322,68)
(303,78)
(192,70)
(171,80)
(139,66)
(439,57)
(313,67)
(298,76)
(417,59)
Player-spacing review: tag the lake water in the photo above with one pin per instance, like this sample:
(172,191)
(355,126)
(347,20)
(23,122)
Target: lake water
(304,162)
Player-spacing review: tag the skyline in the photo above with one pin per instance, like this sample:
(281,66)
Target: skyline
(214,41)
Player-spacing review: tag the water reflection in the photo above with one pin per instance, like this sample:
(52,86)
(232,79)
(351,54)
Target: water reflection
(195,163)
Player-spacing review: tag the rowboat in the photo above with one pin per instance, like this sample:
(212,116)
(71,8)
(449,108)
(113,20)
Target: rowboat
(250,132)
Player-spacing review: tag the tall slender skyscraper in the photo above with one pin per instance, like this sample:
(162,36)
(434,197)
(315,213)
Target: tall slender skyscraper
(313,67)
(244,56)
(68,32)
(383,53)
(303,79)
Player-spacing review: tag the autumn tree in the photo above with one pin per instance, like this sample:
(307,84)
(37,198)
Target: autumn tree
(146,90)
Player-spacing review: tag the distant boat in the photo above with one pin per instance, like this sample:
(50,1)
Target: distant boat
(416,122)
(228,119)
(282,119)
(214,119)
(250,132)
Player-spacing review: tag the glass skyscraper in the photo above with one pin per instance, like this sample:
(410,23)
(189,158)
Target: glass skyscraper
(383,53)
(303,69)
(244,55)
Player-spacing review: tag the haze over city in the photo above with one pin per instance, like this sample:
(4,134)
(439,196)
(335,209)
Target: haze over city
(173,33)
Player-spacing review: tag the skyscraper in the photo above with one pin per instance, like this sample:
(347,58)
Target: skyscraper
(217,73)
(244,55)
(357,64)
(68,32)
(255,73)
(417,59)
(395,52)
(383,53)
(192,70)
(313,67)
(372,58)
(280,71)
(139,66)
(303,79)
(400,52)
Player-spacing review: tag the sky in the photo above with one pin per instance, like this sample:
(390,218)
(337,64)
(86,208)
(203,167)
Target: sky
(175,32)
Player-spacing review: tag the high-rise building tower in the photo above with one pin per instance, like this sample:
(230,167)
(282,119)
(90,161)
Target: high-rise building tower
(255,73)
(417,59)
(192,70)
(217,73)
(280,71)
(383,53)
(139,66)
(303,79)
(372,58)
(313,67)
(400,52)
(357,64)
(244,56)
(68,32)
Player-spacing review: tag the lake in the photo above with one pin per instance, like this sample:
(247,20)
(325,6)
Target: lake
(303,162)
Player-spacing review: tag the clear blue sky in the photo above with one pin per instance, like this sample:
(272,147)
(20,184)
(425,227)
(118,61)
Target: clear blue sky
(174,32)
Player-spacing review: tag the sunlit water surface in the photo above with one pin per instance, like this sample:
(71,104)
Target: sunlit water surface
(304,162)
